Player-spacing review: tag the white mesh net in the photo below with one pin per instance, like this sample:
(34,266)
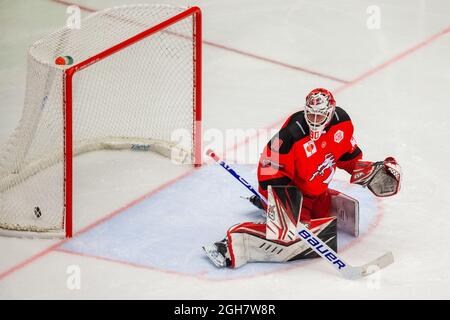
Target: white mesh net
(141,97)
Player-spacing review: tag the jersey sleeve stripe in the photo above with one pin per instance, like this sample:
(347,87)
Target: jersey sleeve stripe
(350,156)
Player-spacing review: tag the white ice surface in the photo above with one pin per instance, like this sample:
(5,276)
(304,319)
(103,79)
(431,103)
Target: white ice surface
(402,110)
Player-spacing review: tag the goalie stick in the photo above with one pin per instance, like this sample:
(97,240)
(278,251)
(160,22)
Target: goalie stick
(322,249)
(223,164)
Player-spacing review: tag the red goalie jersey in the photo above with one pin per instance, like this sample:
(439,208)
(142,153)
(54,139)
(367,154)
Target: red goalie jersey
(292,158)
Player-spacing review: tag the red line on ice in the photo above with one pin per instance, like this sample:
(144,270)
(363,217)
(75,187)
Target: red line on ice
(358,79)
(92,225)
(275,62)
(200,275)
(241,52)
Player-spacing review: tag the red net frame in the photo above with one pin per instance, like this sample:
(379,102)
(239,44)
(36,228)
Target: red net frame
(68,100)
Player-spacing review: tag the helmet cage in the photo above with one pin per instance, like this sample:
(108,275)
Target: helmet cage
(318,113)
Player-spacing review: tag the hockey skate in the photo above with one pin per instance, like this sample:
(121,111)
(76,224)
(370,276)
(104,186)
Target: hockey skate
(218,253)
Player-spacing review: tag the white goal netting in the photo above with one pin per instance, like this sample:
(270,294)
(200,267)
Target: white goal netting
(139,92)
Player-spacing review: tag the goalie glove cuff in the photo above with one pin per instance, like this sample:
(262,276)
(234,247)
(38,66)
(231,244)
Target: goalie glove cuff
(365,171)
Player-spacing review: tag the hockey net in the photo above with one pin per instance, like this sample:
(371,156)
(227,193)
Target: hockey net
(134,84)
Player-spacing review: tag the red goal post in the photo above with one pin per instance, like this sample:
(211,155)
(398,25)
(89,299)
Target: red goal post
(69,73)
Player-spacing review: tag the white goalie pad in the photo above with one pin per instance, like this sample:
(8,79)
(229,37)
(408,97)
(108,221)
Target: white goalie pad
(283,213)
(346,209)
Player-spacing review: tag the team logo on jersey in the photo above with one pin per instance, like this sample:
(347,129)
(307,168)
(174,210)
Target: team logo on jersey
(328,163)
(276,144)
(338,136)
(310,148)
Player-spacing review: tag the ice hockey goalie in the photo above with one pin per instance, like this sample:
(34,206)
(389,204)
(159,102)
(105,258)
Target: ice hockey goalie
(294,172)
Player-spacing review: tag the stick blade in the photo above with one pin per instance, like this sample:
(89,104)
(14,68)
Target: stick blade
(369,268)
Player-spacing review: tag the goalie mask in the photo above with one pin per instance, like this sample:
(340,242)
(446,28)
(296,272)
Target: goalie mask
(319,110)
